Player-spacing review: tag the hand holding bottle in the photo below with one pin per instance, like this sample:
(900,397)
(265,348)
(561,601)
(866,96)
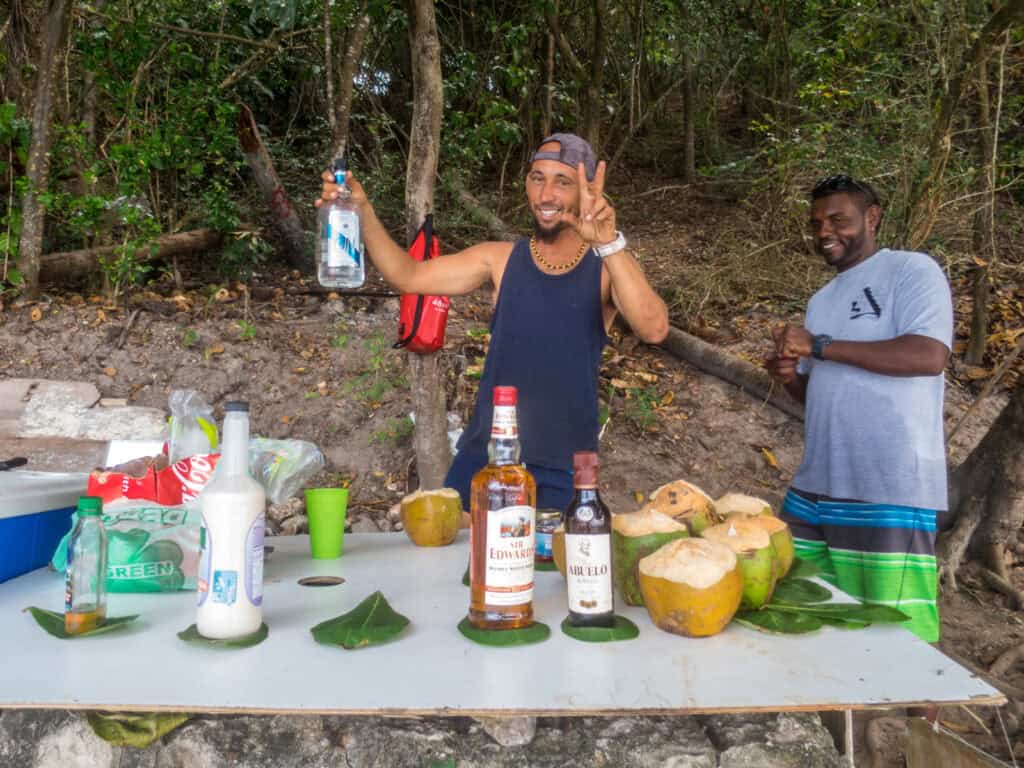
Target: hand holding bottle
(330,190)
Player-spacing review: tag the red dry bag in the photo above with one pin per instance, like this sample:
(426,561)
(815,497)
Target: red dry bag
(422,319)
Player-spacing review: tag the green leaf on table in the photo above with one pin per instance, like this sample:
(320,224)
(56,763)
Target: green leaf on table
(127,730)
(856,612)
(622,629)
(801,569)
(53,623)
(800,591)
(371,622)
(832,621)
(778,622)
(191,635)
(535,633)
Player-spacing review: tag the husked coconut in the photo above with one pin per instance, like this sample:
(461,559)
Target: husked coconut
(782,541)
(741,504)
(685,502)
(691,587)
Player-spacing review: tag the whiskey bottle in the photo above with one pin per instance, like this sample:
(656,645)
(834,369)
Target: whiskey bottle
(588,548)
(503,500)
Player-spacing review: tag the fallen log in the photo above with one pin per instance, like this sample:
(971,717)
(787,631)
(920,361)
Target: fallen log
(73,265)
(716,361)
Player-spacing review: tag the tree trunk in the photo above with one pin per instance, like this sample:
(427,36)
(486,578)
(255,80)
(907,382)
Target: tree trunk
(38,171)
(298,248)
(736,370)
(982,241)
(332,118)
(986,497)
(689,122)
(430,438)
(349,70)
(595,82)
(549,80)
(74,265)
(924,201)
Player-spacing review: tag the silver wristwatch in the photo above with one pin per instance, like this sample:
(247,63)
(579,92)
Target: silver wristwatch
(616,245)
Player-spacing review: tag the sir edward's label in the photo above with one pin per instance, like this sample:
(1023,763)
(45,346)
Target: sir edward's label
(504,424)
(508,567)
(588,561)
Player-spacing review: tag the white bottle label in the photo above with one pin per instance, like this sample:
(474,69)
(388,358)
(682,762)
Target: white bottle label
(342,239)
(504,423)
(588,566)
(508,567)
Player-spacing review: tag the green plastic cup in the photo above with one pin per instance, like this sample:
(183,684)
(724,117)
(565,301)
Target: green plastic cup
(325,508)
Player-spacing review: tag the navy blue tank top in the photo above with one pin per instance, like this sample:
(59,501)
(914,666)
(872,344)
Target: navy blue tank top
(547,334)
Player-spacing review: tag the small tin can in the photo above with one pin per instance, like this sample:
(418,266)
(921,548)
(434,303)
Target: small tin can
(547,521)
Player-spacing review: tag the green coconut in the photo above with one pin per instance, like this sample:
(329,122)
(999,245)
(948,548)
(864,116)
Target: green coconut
(634,536)
(753,547)
(782,541)
(686,503)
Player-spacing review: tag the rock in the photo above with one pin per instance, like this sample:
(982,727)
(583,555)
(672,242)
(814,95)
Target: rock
(38,739)
(784,740)
(364,524)
(510,731)
(74,745)
(294,525)
(278,513)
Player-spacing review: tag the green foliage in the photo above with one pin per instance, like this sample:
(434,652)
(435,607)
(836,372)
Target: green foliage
(246,330)
(398,432)
(189,338)
(641,403)
(244,255)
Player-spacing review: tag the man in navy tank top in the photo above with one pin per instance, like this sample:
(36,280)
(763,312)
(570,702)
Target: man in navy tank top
(556,294)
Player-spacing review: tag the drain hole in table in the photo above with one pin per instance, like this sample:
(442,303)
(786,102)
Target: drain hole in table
(321,581)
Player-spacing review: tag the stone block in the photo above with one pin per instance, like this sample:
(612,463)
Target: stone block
(14,397)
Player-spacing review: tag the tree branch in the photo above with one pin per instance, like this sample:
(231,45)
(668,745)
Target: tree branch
(186,31)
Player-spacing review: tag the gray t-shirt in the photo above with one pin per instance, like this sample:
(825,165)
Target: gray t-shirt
(868,436)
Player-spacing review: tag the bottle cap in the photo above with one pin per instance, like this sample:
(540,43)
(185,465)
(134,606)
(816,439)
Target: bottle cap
(584,469)
(90,506)
(240,406)
(339,166)
(505,395)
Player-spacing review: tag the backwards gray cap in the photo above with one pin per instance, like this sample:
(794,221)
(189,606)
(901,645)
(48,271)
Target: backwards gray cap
(572,150)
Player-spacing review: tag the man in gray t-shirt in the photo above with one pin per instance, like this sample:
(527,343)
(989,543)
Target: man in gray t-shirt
(869,365)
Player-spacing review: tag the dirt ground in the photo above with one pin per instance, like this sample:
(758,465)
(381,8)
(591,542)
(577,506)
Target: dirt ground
(321,368)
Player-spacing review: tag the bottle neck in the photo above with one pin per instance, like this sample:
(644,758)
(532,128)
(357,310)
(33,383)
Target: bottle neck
(234,455)
(586,495)
(503,447)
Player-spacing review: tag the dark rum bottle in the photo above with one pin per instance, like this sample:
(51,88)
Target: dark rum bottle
(588,548)
(503,501)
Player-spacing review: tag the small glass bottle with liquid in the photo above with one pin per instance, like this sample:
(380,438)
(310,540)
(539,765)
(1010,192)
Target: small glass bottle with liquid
(342,262)
(85,592)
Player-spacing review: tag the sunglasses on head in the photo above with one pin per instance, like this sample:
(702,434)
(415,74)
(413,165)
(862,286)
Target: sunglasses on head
(844,183)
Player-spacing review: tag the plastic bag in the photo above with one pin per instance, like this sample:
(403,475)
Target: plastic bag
(283,466)
(151,514)
(192,428)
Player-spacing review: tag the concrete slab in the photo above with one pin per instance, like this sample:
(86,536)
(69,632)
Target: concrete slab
(14,397)
(55,409)
(55,454)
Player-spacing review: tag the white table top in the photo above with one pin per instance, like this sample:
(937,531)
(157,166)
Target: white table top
(431,669)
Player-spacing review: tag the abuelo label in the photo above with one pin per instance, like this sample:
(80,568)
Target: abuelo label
(508,571)
(589,573)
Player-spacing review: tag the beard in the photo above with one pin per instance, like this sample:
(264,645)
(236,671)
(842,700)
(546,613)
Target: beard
(548,234)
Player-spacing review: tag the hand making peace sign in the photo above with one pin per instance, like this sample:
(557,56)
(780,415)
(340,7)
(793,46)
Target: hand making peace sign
(596,220)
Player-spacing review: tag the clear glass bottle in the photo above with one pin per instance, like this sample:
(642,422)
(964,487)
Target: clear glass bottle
(85,591)
(503,508)
(233,505)
(342,262)
(588,548)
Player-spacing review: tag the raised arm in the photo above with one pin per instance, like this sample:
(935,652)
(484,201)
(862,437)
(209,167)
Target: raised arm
(631,294)
(451,275)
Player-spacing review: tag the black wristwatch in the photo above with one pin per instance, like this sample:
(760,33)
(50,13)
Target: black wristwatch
(818,345)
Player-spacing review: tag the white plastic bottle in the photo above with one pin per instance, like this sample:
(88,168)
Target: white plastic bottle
(233,506)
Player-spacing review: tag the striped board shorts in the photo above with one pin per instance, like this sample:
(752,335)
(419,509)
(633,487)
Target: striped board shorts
(880,553)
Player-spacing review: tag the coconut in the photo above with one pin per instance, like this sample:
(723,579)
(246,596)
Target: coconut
(634,536)
(782,541)
(743,505)
(753,546)
(691,587)
(431,518)
(685,502)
